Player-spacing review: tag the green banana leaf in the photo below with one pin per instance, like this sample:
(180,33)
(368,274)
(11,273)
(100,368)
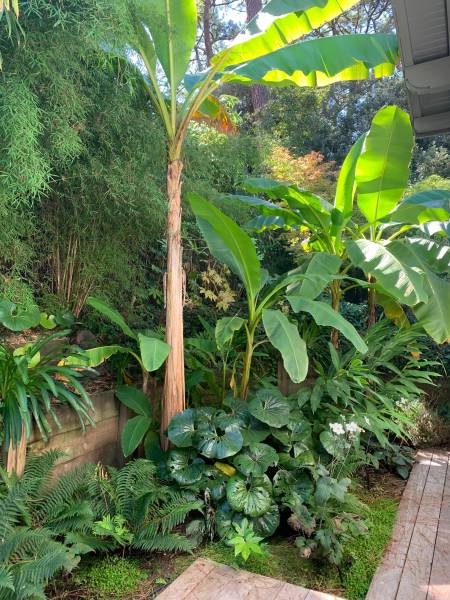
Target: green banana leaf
(394,267)
(346,184)
(325,316)
(278,23)
(112,315)
(319,269)
(319,62)
(153,352)
(225,330)
(229,244)
(382,169)
(134,399)
(424,207)
(284,336)
(134,432)
(173,28)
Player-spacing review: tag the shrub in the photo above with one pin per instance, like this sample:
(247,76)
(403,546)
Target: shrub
(263,461)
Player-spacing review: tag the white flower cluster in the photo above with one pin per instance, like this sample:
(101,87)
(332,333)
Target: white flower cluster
(351,428)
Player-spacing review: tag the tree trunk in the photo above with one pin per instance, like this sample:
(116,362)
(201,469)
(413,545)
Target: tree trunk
(174,401)
(371,305)
(260,94)
(207,30)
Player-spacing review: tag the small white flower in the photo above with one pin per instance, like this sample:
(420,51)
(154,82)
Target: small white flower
(366,419)
(353,427)
(337,428)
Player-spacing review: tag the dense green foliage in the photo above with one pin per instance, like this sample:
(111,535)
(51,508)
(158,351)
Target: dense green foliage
(89,509)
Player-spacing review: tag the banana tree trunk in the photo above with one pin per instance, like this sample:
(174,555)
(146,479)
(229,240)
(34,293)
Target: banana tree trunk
(174,387)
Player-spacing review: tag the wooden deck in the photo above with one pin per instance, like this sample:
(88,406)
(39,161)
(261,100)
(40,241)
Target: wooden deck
(416,565)
(207,580)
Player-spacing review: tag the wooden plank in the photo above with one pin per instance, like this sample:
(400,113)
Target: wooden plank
(417,569)
(439,586)
(386,580)
(76,443)
(292,592)
(185,584)
(321,596)
(107,455)
(105,405)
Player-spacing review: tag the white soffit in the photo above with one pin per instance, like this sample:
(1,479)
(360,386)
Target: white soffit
(423,31)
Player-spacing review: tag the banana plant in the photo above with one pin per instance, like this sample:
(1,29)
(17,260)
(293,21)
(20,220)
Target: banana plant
(370,233)
(267,52)
(231,245)
(151,354)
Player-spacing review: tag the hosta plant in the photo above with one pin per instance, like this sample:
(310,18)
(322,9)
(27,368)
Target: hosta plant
(261,461)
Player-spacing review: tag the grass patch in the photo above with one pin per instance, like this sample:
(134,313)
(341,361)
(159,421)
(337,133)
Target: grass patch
(111,577)
(366,551)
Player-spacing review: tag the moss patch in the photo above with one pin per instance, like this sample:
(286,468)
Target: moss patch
(110,578)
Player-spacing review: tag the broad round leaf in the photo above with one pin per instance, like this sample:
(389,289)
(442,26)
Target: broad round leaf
(218,442)
(224,519)
(328,441)
(133,433)
(255,432)
(266,525)
(252,497)
(217,488)
(17,319)
(270,407)
(181,429)
(256,459)
(136,400)
(185,466)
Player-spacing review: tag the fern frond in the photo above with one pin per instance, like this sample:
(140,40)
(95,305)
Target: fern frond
(169,542)
(164,518)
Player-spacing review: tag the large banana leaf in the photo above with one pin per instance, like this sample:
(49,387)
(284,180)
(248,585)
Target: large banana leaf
(278,23)
(436,256)
(112,315)
(382,170)
(325,316)
(285,337)
(153,352)
(394,267)
(319,269)
(173,28)
(434,315)
(303,207)
(424,207)
(228,243)
(319,62)
(346,186)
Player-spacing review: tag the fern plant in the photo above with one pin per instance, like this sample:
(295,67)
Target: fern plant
(29,555)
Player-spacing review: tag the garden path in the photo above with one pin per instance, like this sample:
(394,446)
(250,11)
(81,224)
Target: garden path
(207,580)
(416,565)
